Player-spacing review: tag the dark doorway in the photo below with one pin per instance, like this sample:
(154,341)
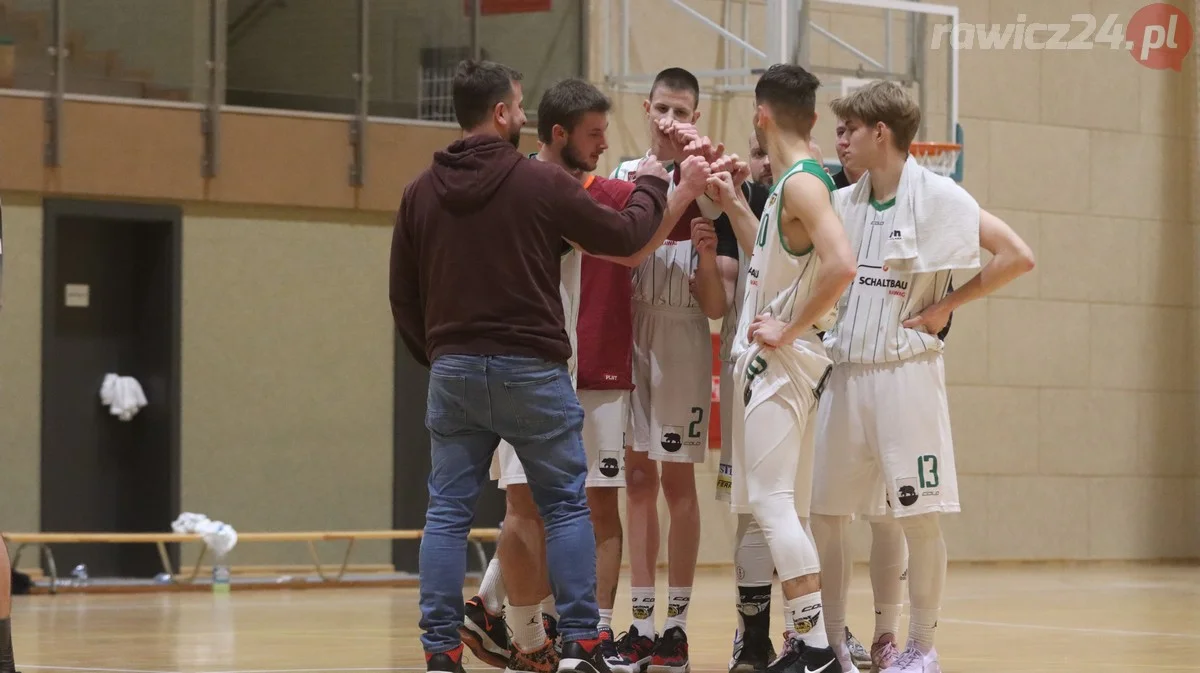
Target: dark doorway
(410,474)
(111,304)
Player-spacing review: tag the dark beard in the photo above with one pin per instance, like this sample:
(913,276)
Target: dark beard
(514,137)
(572,161)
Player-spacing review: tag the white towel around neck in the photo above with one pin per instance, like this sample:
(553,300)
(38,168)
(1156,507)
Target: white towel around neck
(936,227)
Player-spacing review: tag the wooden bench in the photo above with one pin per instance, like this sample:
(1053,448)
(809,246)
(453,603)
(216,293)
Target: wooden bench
(44,541)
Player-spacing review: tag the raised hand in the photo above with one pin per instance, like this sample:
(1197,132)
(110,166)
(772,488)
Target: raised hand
(721,190)
(704,146)
(650,165)
(693,177)
(704,237)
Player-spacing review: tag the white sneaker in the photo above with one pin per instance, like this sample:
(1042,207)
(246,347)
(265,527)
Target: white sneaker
(913,660)
(842,652)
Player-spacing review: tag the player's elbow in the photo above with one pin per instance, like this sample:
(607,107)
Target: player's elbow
(843,270)
(1024,259)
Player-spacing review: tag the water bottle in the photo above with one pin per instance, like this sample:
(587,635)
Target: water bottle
(80,573)
(220,578)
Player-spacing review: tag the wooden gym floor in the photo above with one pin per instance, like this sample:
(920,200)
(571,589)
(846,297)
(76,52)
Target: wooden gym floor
(1026,619)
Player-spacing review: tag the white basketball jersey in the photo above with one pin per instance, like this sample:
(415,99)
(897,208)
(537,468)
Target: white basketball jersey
(870,313)
(664,278)
(568,288)
(779,279)
(733,314)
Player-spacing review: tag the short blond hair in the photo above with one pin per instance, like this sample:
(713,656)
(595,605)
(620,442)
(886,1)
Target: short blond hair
(882,101)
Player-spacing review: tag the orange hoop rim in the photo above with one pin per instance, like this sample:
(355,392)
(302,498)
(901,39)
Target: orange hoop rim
(925,148)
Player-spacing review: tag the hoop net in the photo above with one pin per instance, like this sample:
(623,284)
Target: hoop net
(941,158)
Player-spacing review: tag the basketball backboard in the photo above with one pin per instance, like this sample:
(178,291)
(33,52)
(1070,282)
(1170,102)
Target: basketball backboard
(846,43)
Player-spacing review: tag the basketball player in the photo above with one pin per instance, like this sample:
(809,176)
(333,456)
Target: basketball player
(752,648)
(572,123)
(883,437)
(801,264)
(847,176)
(672,394)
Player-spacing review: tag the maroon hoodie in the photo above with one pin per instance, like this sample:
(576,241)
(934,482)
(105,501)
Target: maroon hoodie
(477,247)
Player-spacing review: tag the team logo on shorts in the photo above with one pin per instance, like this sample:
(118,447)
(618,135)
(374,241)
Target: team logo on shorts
(906,491)
(672,438)
(610,464)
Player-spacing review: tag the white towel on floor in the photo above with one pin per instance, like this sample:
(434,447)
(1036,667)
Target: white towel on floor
(123,395)
(936,227)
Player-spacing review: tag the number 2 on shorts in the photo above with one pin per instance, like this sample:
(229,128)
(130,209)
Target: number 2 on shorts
(698,413)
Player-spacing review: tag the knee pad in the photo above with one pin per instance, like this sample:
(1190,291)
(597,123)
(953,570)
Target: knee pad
(752,555)
(794,553)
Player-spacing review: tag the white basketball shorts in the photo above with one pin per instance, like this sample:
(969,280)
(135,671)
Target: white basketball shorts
(773,444)
(605,416)
(724,475)
(883,441)
(672,378)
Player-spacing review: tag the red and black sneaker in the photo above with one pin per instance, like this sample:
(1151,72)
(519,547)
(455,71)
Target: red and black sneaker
(486,634)
(583,656)
(670,653)
(445,662)
(636,648)
(616,661)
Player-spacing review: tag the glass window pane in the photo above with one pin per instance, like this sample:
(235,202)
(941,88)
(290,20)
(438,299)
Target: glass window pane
(25,33)
(546,46)
(415,46)
(297,55)
(136,48)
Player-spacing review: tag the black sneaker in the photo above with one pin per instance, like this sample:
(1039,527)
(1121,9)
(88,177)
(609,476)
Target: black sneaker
(583,656)
(753,652)
(445,662)
(670,653)
(486,634)
(800,658)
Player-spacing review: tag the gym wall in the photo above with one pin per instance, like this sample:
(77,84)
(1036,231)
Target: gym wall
(287,339)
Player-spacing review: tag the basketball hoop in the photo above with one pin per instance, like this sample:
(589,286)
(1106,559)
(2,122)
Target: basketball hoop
(941,158)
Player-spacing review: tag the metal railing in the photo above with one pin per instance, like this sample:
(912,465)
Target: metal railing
(359,61)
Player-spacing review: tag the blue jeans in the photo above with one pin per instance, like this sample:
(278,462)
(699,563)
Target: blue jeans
(474,401)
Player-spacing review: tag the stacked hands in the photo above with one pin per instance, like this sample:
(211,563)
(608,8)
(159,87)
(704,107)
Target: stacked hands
(706,171)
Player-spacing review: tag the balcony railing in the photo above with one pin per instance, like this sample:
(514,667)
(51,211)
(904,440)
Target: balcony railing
(360,60)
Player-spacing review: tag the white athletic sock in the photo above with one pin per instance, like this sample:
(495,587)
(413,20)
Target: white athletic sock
(549,607)
(829,532)
(889,556)
(605,619)
(643,611)
(678,599)
(528,632)
(926,576)
(491,589)
(887,620)
(808,620)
